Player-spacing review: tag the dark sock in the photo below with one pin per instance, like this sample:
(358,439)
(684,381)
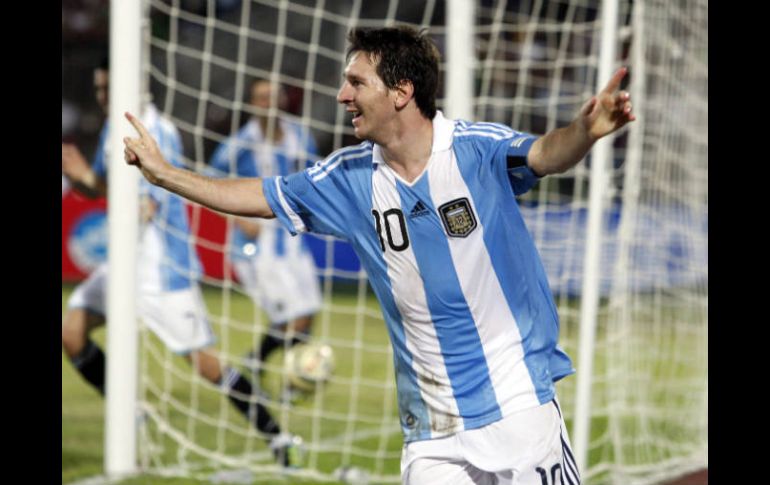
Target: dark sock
(90,363)
(299,338)
(254,411)
(269,343)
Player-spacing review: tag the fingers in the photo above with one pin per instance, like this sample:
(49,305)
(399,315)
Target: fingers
(623,105)
(138,147)
(615,80)
(588,106)
(138,126)
(623,102)
(622,98)
(130,156)
(134,144)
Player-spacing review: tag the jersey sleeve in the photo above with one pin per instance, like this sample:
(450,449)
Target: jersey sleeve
(307,202)
(510,160)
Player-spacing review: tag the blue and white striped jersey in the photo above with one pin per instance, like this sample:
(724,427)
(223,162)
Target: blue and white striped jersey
(462,289)
(248,154)
(167,260)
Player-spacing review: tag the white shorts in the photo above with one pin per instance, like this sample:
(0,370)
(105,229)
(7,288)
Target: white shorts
(530,447)
(285,287)
(178,317)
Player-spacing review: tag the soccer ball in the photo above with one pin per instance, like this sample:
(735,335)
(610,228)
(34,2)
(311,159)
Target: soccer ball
(309,365)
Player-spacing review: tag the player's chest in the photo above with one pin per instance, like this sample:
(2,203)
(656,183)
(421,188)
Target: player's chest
(438,205)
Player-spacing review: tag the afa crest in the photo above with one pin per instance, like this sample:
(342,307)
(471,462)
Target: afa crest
(458,218)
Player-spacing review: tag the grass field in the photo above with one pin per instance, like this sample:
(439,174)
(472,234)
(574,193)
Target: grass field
(353,420)
(198,412)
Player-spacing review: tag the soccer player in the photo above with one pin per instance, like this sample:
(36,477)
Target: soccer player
(169,299)
(429,205)
(278,271)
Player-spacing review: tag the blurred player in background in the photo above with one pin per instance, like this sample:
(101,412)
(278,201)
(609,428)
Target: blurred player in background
(277,270)
(428,203)
(169,299)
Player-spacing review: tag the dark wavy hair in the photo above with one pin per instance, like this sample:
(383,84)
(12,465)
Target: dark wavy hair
(401,53)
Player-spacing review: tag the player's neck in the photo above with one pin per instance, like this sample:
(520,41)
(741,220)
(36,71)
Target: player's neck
(273,134)
(408,151)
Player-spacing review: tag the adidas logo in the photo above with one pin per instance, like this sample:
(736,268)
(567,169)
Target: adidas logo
(419,209)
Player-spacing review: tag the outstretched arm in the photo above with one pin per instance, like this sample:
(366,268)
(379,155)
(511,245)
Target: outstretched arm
(75,167)
(239,196)
(562,148)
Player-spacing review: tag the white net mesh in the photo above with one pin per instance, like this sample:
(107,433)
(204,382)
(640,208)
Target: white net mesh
(537,63)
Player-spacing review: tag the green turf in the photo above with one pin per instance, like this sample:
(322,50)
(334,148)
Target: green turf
(174,390)
(83,413)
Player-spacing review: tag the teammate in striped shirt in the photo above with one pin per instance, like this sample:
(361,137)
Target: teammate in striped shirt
(277,270)
(169,299)
(429,205)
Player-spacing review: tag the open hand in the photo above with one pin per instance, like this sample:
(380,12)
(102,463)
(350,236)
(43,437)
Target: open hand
(609,110)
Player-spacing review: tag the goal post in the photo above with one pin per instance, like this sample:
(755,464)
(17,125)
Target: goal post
(123,229)
(597,195)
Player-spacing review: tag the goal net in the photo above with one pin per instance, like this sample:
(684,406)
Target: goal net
(536,63)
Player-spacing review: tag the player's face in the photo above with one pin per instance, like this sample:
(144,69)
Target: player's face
(101,80)
(262,93)
(366,97)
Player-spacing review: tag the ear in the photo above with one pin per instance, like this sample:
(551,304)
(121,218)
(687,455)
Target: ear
(404,93)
